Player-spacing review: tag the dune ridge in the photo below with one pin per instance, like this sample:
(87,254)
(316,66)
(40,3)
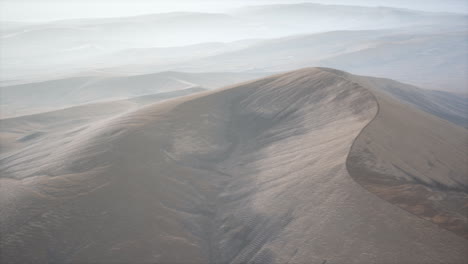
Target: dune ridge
(413,160)
(251,173)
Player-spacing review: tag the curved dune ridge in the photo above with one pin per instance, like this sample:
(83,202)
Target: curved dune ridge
(252,173)
(414,160)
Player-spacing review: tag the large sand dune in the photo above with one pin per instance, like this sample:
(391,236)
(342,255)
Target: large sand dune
(253,173)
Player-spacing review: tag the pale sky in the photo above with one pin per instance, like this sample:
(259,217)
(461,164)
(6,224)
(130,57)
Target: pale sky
(46,10)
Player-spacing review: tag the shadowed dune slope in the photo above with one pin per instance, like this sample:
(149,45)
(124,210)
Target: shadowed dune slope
(253,173)
(414,160)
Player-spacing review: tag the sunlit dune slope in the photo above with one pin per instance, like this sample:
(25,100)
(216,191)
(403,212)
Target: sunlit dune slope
(60,125)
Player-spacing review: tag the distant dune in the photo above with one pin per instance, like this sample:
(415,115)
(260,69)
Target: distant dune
(429,57)
(172,41)
(36,97)
(251,173)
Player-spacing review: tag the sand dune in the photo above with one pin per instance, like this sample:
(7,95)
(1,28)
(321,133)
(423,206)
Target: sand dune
(252,173)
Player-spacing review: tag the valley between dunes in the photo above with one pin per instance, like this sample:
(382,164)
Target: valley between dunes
(310,166)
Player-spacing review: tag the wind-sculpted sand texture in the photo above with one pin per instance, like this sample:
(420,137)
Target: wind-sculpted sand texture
(253,173)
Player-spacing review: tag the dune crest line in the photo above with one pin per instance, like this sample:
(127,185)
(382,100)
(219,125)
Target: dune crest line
(436,191)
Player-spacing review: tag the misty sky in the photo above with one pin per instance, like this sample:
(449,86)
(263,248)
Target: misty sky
(46,10)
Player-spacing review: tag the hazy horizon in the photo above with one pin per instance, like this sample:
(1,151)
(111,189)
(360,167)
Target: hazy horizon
(50,10)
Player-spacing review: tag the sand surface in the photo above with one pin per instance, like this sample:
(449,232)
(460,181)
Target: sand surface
(252,173)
